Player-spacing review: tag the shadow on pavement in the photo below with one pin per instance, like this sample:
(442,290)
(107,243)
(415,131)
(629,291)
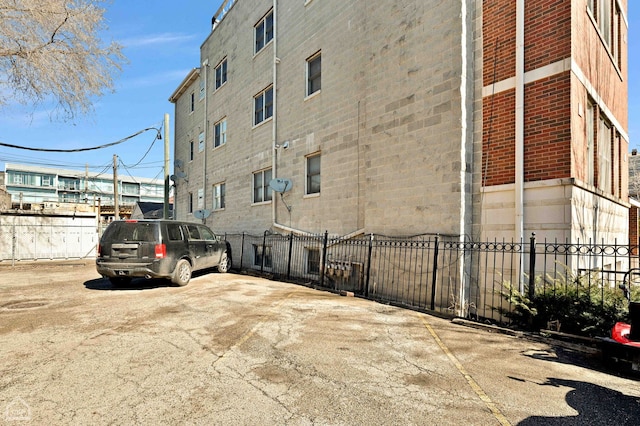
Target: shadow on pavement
(136,284)
(596,405)
(565,356)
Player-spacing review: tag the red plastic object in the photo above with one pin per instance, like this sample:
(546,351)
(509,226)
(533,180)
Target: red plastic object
(620,333)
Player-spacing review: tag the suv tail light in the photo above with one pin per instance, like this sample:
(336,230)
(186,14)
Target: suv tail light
(161,251)
(99,250)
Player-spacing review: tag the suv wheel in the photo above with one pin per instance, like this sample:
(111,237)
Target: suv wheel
(225,263)
(182,273)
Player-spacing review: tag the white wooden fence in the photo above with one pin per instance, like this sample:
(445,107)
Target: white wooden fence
(33,237)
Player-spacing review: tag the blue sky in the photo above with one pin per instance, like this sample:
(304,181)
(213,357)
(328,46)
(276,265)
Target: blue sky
(162,42)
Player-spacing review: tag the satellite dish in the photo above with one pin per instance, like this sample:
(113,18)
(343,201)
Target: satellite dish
(202,214)
(181,174)
(280,184)
(178,164)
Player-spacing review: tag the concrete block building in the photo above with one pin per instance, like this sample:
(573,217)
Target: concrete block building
(464,117)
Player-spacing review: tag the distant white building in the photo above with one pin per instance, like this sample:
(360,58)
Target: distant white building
(39,185)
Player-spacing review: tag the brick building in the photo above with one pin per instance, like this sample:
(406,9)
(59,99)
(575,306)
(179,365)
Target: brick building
(466,117)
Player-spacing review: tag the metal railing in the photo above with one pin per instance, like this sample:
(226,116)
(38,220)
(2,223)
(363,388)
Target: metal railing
(436,272)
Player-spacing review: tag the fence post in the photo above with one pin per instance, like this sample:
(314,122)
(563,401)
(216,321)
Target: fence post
(13,242)
(532,267)
(264,251)
(434,275)
(366,283)
(324,256)
(290,254)
(241,250)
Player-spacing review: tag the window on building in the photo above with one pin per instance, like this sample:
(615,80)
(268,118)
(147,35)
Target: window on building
(191,148)
(604,20)
(201,142)
(220,133)
(313,261)
(202,90)
(314,68)
(604,155)
(218,196)
(590,123)
(261,190)
(313,174)
(221,73)
(617,27)
(190,202)
(130,188)
(263,105)
(17,179)
(46,180)
(262,256)
(193,102)
(200,198)
(617,177)
(264,31)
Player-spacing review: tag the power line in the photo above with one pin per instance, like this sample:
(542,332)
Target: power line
(82,149)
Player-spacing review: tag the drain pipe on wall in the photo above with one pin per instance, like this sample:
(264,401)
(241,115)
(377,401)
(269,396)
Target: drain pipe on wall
(205,70)
(519,136)
(274,121)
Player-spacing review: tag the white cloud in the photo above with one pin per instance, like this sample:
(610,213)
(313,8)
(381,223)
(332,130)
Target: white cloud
(155,39)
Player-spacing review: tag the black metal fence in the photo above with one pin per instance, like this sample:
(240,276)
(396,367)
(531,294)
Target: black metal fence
(436,273)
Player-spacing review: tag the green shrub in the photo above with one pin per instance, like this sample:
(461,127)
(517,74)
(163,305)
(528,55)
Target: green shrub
(582,305)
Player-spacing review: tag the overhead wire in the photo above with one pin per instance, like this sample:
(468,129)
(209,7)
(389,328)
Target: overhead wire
(80,149)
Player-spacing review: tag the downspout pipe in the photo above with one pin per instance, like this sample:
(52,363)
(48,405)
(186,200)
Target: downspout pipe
(205,70)
(519,130)
(274,121)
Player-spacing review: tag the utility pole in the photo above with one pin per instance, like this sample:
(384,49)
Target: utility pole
(86,183)
(116,209)
(165,211)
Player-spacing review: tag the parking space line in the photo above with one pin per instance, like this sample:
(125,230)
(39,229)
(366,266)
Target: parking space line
(472,383)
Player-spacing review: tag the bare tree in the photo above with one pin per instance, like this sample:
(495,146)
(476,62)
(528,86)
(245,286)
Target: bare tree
(51,51)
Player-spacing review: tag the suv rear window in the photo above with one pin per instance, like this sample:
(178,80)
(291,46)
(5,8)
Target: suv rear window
(131,231)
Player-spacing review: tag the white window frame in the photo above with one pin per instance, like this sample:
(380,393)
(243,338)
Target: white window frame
(261,36)
(311,79)
(309,189)
(220,133)
(201,142)
(258,252)
(265,109)
(200,198)
(604,20)
(219,193)
(221,74)
(605,132)
(590,124)
(309,260)
(261,192)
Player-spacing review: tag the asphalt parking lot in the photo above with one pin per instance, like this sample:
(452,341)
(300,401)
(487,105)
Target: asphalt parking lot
(232,349)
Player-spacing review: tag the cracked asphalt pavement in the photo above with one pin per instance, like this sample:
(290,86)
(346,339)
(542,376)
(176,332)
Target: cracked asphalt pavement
(233,349)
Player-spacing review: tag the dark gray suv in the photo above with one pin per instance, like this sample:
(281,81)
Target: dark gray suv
(159,249)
